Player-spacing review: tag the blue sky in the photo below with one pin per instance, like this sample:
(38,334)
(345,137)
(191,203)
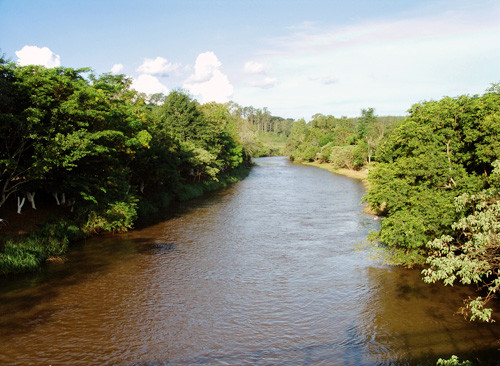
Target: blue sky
(297,58)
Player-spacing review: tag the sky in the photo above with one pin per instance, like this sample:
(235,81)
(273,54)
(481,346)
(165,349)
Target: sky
(295,57)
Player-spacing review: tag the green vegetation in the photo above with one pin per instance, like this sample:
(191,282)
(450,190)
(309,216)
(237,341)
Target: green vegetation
(30,252)
(261,133)
(107,154)
(436,184)
(435,180)
(452,361)
(343,142)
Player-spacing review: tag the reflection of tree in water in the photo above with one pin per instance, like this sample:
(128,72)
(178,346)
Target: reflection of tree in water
(406,320)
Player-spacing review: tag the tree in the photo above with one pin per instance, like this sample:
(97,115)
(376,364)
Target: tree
(30,125)
(364,122)
(471,254)
(181,114)
(374,137)
(297,136)
(437,153)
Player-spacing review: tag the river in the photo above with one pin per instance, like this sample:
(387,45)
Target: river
(263,273)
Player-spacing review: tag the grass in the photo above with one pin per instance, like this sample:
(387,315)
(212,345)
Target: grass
(27,253)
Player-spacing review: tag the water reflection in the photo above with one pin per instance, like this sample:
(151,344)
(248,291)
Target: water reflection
(410,322)
(264,272)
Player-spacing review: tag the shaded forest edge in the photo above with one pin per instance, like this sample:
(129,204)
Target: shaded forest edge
(434,179)
(83,154)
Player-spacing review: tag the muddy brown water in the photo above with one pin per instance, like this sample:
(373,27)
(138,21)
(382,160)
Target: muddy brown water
(262,273)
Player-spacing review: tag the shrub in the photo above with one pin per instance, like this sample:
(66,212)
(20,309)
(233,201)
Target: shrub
(342,156)
(325,152)
(118,217)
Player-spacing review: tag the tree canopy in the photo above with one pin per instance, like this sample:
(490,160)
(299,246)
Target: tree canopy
(437,187)
(101,148)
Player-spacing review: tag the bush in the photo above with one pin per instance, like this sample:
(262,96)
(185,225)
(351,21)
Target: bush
(118,217)
(326,151)
(360,154)
(453,361)
(343,156)
(61,229)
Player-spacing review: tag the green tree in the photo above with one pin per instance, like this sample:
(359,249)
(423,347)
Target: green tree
(470,254)
(182,116)
(436,154)
(364,122)
(297,136)
(30,128)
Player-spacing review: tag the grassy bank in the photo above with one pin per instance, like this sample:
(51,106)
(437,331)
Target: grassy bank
(27,252)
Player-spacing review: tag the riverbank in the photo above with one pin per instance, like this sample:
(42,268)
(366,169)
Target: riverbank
(361,174)
(34,237)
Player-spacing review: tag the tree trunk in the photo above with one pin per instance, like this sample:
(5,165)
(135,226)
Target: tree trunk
(55,194)
(20,203)
(31,198)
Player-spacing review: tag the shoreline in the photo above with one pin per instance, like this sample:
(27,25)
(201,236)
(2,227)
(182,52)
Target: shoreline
(361,174)
(44,235)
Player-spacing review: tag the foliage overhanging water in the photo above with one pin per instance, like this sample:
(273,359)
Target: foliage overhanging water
(264,272)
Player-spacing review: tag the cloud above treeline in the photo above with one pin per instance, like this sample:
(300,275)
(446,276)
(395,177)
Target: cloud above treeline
(117,68)
(385,63)
(149,84)
(208,82)
(158,66)
(33,55)
(258,75)
(205,80)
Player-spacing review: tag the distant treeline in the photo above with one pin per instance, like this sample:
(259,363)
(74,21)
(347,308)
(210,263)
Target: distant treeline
(263,134)
(344,142)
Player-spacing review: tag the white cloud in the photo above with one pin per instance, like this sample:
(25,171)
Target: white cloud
(205,66)
(149,84)
(33,55)
(157,66)
(256,69)
(266,83)
(117,68)
(388,65)
(253,67)
(208,82)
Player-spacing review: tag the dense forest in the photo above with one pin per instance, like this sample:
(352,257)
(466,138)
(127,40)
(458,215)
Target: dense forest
(104,154)
(434,178)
